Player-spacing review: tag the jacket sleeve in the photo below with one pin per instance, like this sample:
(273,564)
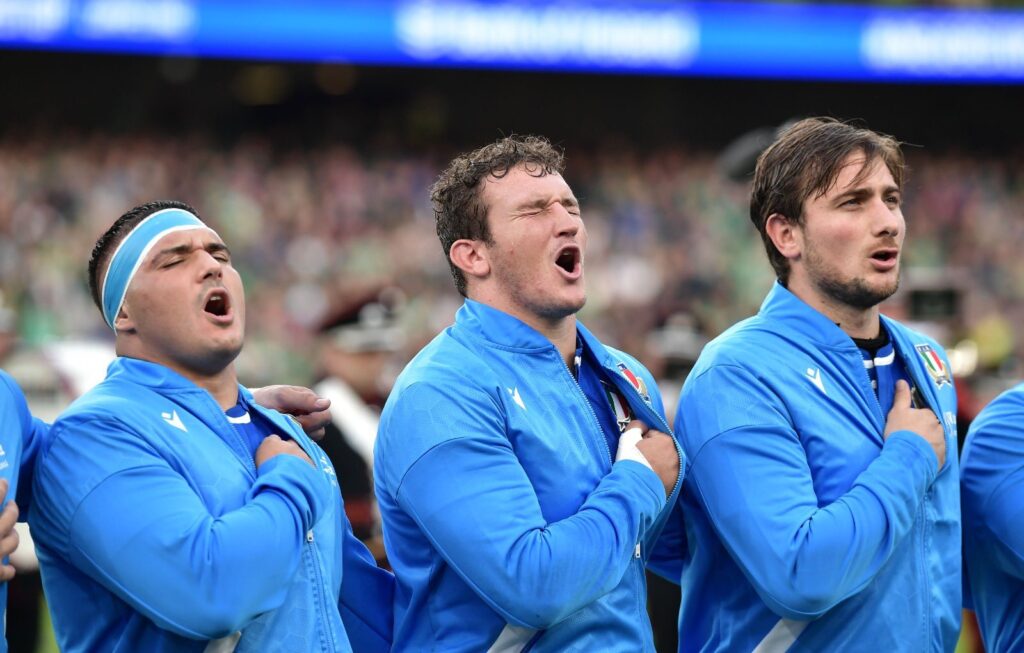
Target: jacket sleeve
(122,515)
(34,436)
(751,475)
(367,597)
(993,481)
(671,552)
(32,433)
(474,501)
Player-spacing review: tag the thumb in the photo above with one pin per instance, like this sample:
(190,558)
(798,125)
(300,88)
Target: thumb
(902,397)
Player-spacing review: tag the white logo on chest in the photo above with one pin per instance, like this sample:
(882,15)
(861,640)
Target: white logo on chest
(175,421)
(516,398)
(815,377)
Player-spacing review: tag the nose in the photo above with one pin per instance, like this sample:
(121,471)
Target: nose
(888,220)
(210,266)
(566,223)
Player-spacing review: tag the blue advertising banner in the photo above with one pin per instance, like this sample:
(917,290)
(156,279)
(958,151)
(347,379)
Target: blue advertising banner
(792,41)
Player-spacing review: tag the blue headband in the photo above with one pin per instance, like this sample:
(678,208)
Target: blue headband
(132,251)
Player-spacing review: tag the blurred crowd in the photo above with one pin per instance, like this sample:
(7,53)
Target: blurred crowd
(672,253)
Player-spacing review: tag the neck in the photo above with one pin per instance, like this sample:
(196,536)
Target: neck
(221,384)
(561,331)
(563,337)
(854,321)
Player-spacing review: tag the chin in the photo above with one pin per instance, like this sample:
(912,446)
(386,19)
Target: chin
(562,310)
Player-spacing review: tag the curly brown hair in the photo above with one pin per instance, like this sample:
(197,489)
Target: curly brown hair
(805,160)
(459,210)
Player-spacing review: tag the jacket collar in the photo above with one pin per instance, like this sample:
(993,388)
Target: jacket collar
(156,376)
(500,328)
(783,307)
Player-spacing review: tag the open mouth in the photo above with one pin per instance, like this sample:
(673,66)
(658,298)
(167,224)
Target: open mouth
(885,255)
(569,259)
(218,303)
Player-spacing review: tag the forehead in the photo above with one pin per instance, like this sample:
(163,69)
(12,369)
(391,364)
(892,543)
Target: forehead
(522,184)
(856,171)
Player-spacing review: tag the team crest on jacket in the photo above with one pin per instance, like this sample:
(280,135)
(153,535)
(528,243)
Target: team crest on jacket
(934,364)
(635,381)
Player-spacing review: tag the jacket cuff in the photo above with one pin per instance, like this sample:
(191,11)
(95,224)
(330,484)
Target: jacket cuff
(298,482)
(650,482)
(919,449)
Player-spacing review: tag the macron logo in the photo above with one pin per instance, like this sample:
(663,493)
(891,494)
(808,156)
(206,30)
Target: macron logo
(516,398)
(815,376)
(173,419)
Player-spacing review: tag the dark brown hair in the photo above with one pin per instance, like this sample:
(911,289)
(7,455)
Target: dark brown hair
(804,161)
(459,210)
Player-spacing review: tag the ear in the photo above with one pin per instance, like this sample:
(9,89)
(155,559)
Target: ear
(786,235)
(470,256)
(123,322)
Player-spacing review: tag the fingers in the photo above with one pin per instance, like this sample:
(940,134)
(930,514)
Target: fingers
(303,401)
(902,396)
(8,543)
(8,536)
(636,424)
(4,485)
(8,518)
(317,435)
(273,445)
(313,423)
(291,399)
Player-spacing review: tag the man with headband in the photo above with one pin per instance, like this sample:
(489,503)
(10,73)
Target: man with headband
(172,514)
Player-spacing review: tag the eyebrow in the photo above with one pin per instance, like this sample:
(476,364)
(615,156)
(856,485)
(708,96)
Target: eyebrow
(862,193)
(185,248)
(542,202)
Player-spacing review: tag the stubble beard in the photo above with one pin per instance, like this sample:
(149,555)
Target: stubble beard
(536,302)
(855,292)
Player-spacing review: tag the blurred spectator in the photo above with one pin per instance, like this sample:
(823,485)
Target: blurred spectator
(358,343)
(669,233)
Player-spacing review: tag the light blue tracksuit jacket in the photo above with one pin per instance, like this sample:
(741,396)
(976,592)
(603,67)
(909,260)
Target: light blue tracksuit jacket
(808,530)
(992,489)
(20,438)
(157,533)
(506,521)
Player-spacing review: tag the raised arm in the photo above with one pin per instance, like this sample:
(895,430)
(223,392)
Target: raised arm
(120,513)
(751,475)
(474,501)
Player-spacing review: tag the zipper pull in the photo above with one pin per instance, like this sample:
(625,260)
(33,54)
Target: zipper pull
(636,552)
(309,536)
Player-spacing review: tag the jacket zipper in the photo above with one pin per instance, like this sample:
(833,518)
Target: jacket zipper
(923,539)
(590,409)
(661,421)
(637,562)
(327,628)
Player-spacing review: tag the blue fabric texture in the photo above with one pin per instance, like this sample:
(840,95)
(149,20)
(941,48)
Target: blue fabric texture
(504,515)
(802,519)
(992,483)
(156,532)
(20,438)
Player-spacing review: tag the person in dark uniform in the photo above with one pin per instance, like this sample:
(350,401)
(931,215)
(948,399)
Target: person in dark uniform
(358,342)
